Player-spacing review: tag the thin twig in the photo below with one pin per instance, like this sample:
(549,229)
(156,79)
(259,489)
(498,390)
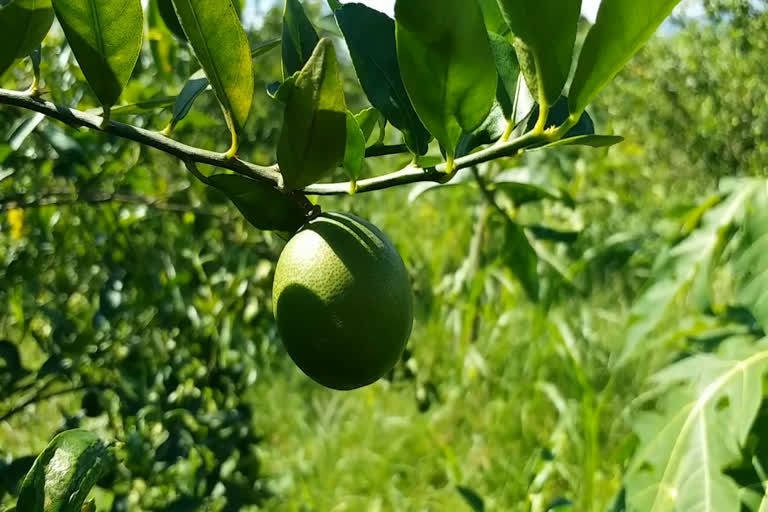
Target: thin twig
(271,173)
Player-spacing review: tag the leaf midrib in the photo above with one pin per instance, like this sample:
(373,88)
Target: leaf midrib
(219,86)
(97,27)
(709,392)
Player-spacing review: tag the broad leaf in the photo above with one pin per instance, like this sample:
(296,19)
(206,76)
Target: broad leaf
(751,266)
(63,475)
(697,431)
(447,66)
(370,37)
(313,139)
(508,69)
(23,24)
(106,38)
(521,258)
(354,154)
(686,265)
(621,29)
(547,29)
(262,205)
(299,38)
(219,41)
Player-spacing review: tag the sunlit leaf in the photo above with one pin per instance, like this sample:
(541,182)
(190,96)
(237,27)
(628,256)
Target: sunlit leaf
(697,431)
(219,41)
(64,473)
(547,29)
(621,29)
(447,66)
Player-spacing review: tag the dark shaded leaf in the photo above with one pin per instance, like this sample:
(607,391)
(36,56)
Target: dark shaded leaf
(472,498)
(370,37)
(299,38)
(262,205)
(508,69)
(521,258)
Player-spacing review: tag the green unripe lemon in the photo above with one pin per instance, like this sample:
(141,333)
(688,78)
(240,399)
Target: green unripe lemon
(342,301)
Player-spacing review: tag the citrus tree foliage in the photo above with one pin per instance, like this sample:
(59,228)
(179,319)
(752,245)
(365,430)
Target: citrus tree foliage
(175,399)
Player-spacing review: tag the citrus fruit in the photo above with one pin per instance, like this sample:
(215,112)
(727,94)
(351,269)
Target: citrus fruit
(342,301)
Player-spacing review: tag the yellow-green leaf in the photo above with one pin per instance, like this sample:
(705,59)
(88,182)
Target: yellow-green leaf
(218,39)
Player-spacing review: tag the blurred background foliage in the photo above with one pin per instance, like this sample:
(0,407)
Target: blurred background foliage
(136,302)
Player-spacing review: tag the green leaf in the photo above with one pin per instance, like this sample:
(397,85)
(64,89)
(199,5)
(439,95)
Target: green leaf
(354,154)
(494,20)
(595,141)
(368,119)
(219,41)
(313,139)
(472,499)
(447,66)
(141,107)
(677,270)
(264,47)
(508,69)
(196,85)
(299,38)
(547,29)
(262,205)
(751,267)
(370,37)
(168,14)
(106,38)
(709,403)
(520,257)
(490,131)
(23,24)
(621,29)
(63,475)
